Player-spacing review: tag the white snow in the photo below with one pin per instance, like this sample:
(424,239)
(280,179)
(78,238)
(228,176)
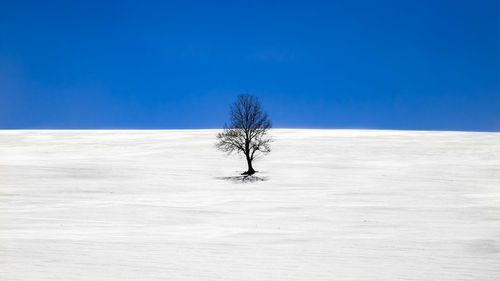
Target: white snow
(333,205)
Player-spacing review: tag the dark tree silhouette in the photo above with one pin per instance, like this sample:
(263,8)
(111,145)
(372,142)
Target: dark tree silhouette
(247,132)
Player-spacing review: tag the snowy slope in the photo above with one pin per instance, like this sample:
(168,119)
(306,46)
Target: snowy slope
(331,205)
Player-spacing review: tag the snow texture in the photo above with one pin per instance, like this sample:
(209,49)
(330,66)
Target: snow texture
(326,205)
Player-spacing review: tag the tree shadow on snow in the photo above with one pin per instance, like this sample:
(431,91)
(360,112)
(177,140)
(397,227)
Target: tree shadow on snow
(243,179)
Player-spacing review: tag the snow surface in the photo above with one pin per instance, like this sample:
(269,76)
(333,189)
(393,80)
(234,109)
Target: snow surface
(327,205)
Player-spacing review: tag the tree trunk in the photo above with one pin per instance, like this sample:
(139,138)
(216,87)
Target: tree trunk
(250,171)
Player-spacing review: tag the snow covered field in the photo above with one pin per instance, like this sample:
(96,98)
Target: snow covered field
(330,205)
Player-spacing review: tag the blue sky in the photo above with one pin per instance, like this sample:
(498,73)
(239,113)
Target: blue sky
(425,65)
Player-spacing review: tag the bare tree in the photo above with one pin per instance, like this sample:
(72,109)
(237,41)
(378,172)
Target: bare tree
(247,131)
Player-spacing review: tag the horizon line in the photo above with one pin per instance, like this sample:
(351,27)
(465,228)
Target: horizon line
(206,129)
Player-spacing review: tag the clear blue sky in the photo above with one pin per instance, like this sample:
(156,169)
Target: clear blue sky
(315,64)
